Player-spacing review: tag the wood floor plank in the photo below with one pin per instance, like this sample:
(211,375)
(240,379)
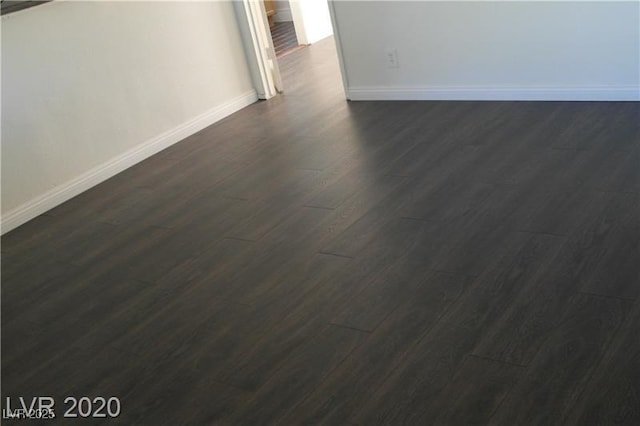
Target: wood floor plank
(366,309)
(30,370)
(57,240)
(535,312)
(327,300)
(561,370)
(359,234)
(264,355)
(625,178)
(448,202)
(348,387)
(560,212)
(185,394)
(618,273)
(612,395)
(537,309)
(316,308)
(341,190)
(431,365)
(304,369)
(471,251)
(474,394)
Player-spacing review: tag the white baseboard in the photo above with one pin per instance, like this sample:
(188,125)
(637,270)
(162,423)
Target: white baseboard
(70,189)
(483,93)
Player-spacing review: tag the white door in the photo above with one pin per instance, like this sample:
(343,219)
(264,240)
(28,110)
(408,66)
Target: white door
(261,55)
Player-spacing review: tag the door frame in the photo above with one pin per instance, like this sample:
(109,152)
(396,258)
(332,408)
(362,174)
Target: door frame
(298,22)
(258,44)
(336,39)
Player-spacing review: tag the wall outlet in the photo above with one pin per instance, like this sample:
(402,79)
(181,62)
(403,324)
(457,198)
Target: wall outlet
(391,55)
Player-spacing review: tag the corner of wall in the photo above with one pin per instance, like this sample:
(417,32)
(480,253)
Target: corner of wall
(144,150)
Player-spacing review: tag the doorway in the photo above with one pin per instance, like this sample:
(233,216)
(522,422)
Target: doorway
(312,21)
(282,27)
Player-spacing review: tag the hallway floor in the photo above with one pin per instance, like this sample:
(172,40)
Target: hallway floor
(311,260)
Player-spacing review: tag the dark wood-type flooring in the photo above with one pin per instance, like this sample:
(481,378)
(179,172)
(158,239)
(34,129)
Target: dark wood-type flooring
(309,260)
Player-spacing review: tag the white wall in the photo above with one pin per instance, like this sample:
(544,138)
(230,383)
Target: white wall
(90,88)
(491,50)
(315,19)
(283,11)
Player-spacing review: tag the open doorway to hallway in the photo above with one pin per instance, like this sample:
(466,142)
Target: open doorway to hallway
(282,27)
(312,22)
(294,25)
